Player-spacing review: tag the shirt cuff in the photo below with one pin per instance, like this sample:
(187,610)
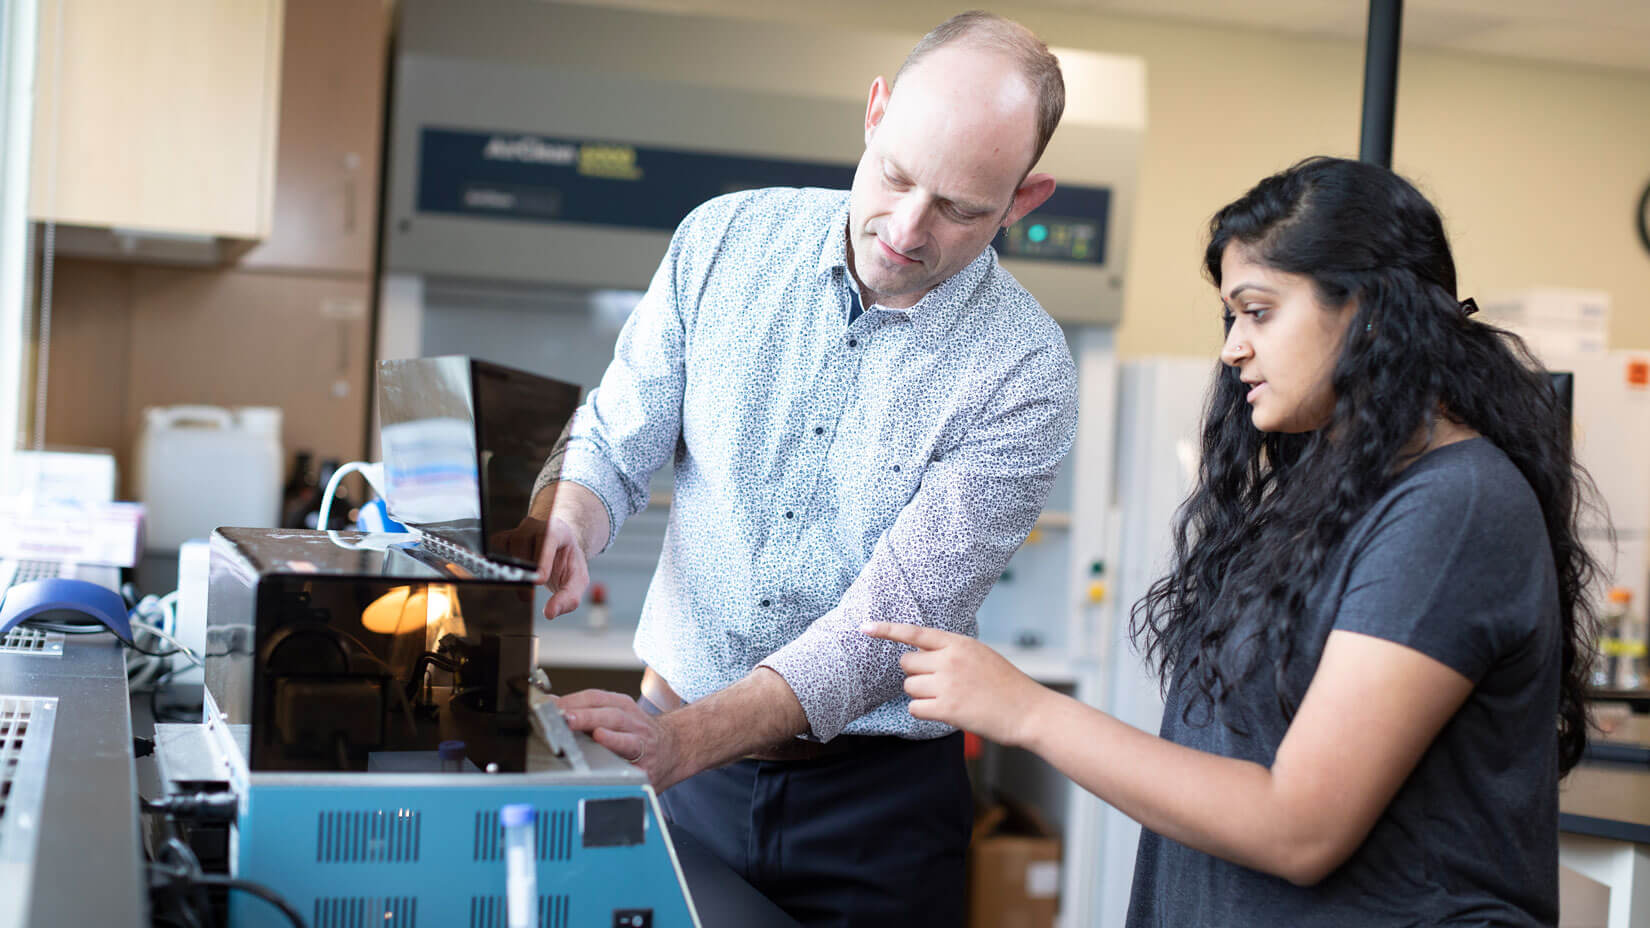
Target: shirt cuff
(589,470)
(822,681)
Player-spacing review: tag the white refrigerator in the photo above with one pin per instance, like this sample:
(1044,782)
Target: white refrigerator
(1159,411)
(1612,441)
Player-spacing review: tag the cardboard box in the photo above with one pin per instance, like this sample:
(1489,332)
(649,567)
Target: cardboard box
(1013,868)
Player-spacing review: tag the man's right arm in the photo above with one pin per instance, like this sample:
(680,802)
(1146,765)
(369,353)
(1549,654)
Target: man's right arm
(575,525)
(626,430)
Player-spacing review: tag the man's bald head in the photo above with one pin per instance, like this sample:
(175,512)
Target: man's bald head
(1035,63)
(948,156)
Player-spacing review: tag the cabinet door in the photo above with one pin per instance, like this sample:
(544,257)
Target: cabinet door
(331,128)
(157,116)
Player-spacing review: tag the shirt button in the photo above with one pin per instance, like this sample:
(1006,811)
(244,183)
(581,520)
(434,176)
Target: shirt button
(789,514)
(853,343)
(896,468)
(766,603)
(819,430)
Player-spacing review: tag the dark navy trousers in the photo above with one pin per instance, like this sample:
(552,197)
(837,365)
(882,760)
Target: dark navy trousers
(874,836)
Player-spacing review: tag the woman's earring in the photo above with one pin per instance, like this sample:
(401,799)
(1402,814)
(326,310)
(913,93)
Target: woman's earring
(1369,327)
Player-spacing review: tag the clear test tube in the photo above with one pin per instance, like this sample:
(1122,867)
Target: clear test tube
(520,869)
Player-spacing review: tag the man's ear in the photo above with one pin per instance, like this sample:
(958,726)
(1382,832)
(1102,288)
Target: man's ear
(876,106)
(1032,193)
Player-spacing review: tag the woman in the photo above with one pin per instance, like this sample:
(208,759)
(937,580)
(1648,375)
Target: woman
(1374,638)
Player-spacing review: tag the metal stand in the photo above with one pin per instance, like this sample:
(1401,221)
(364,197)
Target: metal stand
(1380,80)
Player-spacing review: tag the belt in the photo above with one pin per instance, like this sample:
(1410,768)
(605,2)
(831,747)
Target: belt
(657,698)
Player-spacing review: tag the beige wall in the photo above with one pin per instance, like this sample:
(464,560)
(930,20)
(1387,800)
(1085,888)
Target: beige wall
(1537,168)
(129,336)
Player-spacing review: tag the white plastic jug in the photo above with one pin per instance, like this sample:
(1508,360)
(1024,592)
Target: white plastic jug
(201,467)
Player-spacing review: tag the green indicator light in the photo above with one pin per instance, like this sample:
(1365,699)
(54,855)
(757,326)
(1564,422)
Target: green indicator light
(1037,233)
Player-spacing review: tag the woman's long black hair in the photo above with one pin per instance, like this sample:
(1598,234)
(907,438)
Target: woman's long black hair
(1269,508)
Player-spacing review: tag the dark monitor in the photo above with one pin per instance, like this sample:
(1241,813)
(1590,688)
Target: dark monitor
(463,443)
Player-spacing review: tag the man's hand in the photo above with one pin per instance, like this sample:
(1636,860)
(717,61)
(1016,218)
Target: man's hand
(562,567)
(959,681)
(563,522)
(751,715)
(620,725)
(521,542)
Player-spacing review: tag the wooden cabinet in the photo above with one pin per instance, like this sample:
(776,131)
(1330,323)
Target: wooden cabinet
(331,132)
(157,116)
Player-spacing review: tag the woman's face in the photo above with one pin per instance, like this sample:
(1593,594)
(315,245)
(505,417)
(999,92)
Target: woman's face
(1282,341)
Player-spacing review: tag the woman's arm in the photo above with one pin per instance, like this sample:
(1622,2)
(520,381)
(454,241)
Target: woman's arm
(1369,714)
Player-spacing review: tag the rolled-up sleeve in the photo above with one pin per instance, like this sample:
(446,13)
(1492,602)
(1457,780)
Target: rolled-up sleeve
(630,424)
(936,563)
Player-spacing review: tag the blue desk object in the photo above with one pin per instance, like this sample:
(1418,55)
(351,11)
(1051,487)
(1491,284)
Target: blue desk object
(60,594)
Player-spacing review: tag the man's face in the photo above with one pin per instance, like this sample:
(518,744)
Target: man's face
(944,154)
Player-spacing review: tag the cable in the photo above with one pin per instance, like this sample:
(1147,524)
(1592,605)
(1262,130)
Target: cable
(189,872)
(94,628)
(372,472)
(66,628)
(178,646)
(257,889)
(149,670)
(217,807)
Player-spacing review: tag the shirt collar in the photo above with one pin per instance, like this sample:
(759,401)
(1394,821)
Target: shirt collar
(937,304)
(834,254)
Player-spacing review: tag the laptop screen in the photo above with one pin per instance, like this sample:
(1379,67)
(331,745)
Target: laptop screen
(463,443)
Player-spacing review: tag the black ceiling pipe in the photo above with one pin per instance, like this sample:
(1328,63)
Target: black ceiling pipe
(1386,27)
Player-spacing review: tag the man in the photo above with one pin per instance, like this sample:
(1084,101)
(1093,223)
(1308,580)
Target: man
(865,414)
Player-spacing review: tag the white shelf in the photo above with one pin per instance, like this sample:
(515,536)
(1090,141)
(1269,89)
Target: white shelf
(569,643)
(1045,665)
(1053,518)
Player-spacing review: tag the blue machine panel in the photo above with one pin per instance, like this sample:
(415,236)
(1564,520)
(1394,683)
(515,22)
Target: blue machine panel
(401,857)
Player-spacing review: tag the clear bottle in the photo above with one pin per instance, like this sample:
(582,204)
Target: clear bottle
(1630,641)
(1607,668)
(300,494)
(520,869)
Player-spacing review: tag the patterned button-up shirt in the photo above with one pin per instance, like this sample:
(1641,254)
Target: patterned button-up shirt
(825,473)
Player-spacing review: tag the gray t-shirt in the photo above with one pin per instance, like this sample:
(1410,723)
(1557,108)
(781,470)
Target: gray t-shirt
(1453,561)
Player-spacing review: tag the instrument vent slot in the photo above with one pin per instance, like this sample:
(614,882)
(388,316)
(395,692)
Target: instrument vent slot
(553,836)
(368,836)
(488,911)
(24,640)
(25,748)
(365,912)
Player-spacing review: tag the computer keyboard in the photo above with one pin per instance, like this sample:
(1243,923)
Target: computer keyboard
(480,567)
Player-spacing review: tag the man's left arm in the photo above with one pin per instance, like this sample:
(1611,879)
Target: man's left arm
(975,505)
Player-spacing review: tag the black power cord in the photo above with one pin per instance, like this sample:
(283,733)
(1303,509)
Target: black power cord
(188,873)
(257,889)
(92,628)
(211,808)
